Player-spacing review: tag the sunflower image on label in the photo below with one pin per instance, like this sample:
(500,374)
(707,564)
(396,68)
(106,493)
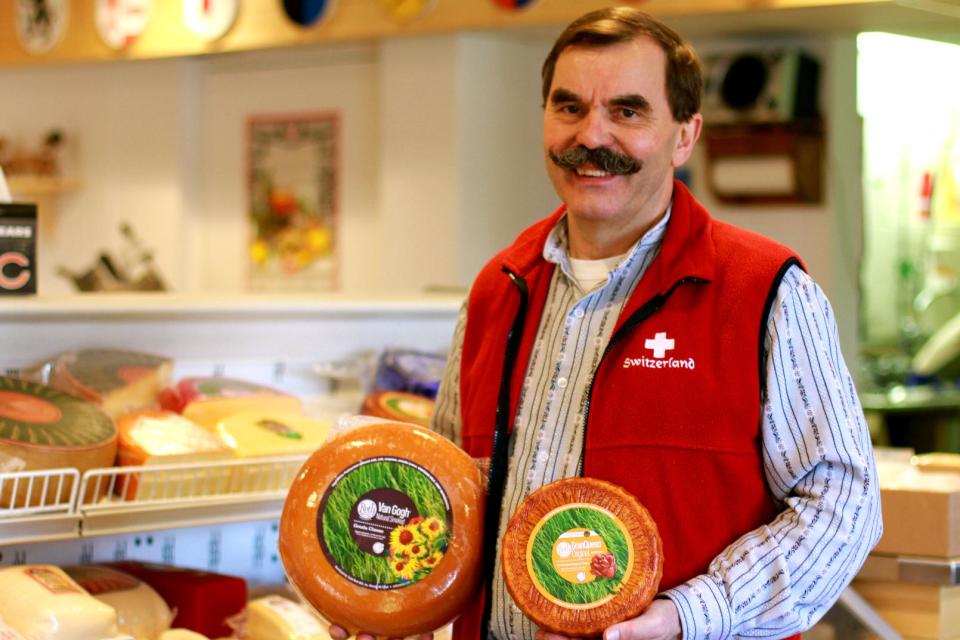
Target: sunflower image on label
(579,556)
(384,523)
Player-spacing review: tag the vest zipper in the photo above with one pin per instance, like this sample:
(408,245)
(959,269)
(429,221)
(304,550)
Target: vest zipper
(498,457)
(648,309)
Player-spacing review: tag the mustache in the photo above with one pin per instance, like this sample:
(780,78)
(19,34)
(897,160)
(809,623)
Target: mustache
(606,160)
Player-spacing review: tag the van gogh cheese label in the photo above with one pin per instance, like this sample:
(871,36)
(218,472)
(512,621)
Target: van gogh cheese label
(579,555)
(384,523)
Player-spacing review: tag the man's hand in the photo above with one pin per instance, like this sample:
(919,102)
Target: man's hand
(660,621)
(339,633)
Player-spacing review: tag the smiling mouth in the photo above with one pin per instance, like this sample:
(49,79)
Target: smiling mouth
(592,173)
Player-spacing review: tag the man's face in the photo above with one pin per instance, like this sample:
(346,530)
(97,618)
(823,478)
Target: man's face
(613,98)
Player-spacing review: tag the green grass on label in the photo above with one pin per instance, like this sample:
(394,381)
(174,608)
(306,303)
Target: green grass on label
(336,515)
(559,524)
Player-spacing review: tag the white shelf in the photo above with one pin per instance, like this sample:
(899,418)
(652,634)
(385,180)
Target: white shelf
(149,498)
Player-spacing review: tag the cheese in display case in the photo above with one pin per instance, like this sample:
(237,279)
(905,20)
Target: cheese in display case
(208,400)
(43,428)
(398,406)
(277,618)
(381,530)
(141,612)
(41,602)
(259,434)
(117,380)
(156,437)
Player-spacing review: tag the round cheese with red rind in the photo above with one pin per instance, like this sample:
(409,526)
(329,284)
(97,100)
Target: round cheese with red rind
(381,530)
(48,429)
(580,555)
(399,406)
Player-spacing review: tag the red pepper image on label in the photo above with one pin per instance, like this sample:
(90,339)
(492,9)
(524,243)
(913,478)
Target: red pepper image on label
(603,565)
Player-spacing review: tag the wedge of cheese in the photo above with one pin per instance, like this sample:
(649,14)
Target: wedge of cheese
(277,618)
(207,401)
(580,555)
(258,434)
(41,602)
(117,380)
(141,612)
(156,437)
(43,428)
(381,530)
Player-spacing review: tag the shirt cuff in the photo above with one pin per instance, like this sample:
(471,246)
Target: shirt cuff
(704,611)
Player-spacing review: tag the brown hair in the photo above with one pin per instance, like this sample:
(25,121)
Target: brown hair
(623,24)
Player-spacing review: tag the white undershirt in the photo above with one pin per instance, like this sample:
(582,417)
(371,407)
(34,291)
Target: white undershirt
(591,273)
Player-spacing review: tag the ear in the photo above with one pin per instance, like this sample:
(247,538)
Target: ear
(687,137)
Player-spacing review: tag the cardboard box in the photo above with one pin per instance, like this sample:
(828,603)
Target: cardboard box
(921,512)
(915,610)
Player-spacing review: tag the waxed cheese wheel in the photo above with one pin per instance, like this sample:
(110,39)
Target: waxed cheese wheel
(141,612)
(580,555)
(41,602)
(381,530)
(43,428)
(398,406)
(116,379)
(208,400)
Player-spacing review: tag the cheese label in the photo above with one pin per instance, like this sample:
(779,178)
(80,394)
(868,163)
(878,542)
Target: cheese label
(406,408)
(281,429)
(101,580)
(384,523)
(52,580)
(579,555)
(105,370)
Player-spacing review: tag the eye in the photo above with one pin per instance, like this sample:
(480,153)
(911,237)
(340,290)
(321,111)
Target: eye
(628,113)
(570,108)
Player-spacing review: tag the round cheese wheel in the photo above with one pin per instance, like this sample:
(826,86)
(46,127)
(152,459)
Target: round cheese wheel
(399,406)
(48,429)
(141,612)
(381,530)
(116,379)
(580,555)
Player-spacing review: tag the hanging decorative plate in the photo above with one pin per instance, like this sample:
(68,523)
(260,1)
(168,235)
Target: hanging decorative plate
(210,19)
(407,10)
(514,5)
(307,13)
(120,22)
(41,24)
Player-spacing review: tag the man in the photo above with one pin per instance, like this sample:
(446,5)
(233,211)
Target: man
(632,338)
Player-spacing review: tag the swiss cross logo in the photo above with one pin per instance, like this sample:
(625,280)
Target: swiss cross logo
(660,344)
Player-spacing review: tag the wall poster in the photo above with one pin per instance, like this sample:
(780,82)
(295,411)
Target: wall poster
(293,200)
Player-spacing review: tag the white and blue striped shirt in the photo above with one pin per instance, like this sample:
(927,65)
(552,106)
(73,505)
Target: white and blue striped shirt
(772,582)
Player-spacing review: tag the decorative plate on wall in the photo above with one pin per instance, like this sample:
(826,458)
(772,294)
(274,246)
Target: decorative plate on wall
(407,10)
(120,22)
(210,19)
(514,5)
(41,24)
(307,13)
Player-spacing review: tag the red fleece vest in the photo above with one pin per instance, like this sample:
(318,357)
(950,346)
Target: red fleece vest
(674,412)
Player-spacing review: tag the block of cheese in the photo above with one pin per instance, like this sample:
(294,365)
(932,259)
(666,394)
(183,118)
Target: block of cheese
(181,634)
(207,401)
(381,530)
(41,602)
(256,434)
(141,612)
(276,618)
(116,379)
(398,406)
(580,555)
(202,601)
(43,428)
(154,437)
(9,633)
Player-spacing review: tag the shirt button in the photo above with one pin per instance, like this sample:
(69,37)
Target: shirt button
(562,383)
(542,457)
(578,313)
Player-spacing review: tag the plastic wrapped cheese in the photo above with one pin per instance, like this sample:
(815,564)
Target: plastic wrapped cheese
(181,634)
(276,618)
(381,530)
(141,612)
(163,437)
(9,633)
(41,602)
(43,428)
(580,555)
(116,379)
(207,401)
(399,406)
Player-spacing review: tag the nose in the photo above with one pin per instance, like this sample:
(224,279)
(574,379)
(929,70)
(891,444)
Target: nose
(594,130)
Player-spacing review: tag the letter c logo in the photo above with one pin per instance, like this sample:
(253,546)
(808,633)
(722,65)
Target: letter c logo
(18,260)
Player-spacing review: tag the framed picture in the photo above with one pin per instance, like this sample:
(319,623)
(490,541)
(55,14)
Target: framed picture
(294,179)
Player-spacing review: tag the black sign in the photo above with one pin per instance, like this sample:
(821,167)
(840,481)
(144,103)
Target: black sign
(18,249)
